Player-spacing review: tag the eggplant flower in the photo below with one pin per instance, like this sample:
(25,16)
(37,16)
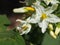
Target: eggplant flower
(34,18)
(24,27)
(43,16)
(38,10)
(51,1)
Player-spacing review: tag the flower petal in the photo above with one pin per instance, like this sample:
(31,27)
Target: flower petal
(53,19)
(27,30)
(51,9)
(19,10)
(43,25)
(33,19)
(21,21)
(55,1)
(24,27)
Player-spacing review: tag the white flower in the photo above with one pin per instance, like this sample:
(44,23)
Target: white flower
(24,27)
(34,18)
(43,17)
(38,10)
(51,1)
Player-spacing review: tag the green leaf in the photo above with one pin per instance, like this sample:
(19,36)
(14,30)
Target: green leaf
(48,40)
(9,37)
(3,20)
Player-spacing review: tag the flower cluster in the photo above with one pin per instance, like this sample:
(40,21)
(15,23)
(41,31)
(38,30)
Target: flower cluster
(42,16)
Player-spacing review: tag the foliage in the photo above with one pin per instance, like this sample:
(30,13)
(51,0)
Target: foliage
(9,37)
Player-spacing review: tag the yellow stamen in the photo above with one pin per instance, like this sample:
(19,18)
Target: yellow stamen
(24,27)
(50,26)
(30,8)
(44,16)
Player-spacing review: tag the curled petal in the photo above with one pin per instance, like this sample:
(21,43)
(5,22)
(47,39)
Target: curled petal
(21,21)
(27,30)
(24,27)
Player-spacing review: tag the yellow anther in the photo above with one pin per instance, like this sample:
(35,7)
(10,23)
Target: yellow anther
(44,16)
(50,26)
(30,8)
(24,27)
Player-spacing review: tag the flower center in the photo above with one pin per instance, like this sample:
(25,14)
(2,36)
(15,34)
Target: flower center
(44,16)
(24,27)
